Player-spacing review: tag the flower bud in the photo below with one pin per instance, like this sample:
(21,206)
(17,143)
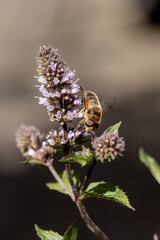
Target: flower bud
(108,146)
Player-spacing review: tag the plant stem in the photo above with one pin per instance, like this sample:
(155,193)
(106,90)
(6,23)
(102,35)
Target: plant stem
(74,189)
(90,224)
(57,177)
(86,177)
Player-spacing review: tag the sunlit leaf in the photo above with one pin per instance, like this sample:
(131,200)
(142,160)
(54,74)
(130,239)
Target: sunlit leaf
(106,191)
(56,186)
(113,129)
(47,235)
(82,157)
(151,163)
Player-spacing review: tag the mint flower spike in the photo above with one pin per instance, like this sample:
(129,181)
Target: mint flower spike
(33,146)
(108,146)
(58,139)
(57,86)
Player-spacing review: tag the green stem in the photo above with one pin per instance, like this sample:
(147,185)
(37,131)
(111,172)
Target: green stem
(57,177)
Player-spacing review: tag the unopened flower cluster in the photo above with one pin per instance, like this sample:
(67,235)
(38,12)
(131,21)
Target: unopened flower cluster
(33,146)
(57,139)
(108,146)
(57,85)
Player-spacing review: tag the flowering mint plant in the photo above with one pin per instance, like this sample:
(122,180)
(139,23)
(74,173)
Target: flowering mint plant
(61,97)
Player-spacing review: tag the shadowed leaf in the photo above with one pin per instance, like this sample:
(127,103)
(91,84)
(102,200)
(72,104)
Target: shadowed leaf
(151,163)
(71,233)
(106,191)
(56,186)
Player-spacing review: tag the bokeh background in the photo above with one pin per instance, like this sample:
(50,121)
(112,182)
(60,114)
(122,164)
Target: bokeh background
(114,46)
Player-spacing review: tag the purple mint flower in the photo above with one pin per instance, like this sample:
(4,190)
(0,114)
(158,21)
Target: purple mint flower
(57,86)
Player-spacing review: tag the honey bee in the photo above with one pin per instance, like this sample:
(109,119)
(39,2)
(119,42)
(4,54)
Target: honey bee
(93,109)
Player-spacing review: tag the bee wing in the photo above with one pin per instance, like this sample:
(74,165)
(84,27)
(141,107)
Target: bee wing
(107,102)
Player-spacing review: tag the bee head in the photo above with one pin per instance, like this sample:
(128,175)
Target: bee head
(91,126)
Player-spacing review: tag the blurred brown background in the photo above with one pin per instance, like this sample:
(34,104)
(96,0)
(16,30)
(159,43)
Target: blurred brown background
(114,46)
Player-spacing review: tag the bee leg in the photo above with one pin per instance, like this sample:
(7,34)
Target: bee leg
(80,123)
(82,110)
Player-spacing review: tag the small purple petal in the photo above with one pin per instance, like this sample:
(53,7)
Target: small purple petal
(57,94)
(51,142)
(65,79)
(55,133)
(58,115)
(77,133)
(77,102)
(53,66)
(50,107)
(52,95)
(41,79)
(55,81)
(70,116)
(43,90)
(63,141)
(75,90)
(63,91)
(71,74)
(43,101)
(70,134)
(80,115)
(31,152)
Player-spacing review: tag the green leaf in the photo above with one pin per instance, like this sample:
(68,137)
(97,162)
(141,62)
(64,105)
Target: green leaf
(56,186)
(151,163)
(71,233)
(113,129)
(47,235)
(106,191)
(82,157)
(33,161)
